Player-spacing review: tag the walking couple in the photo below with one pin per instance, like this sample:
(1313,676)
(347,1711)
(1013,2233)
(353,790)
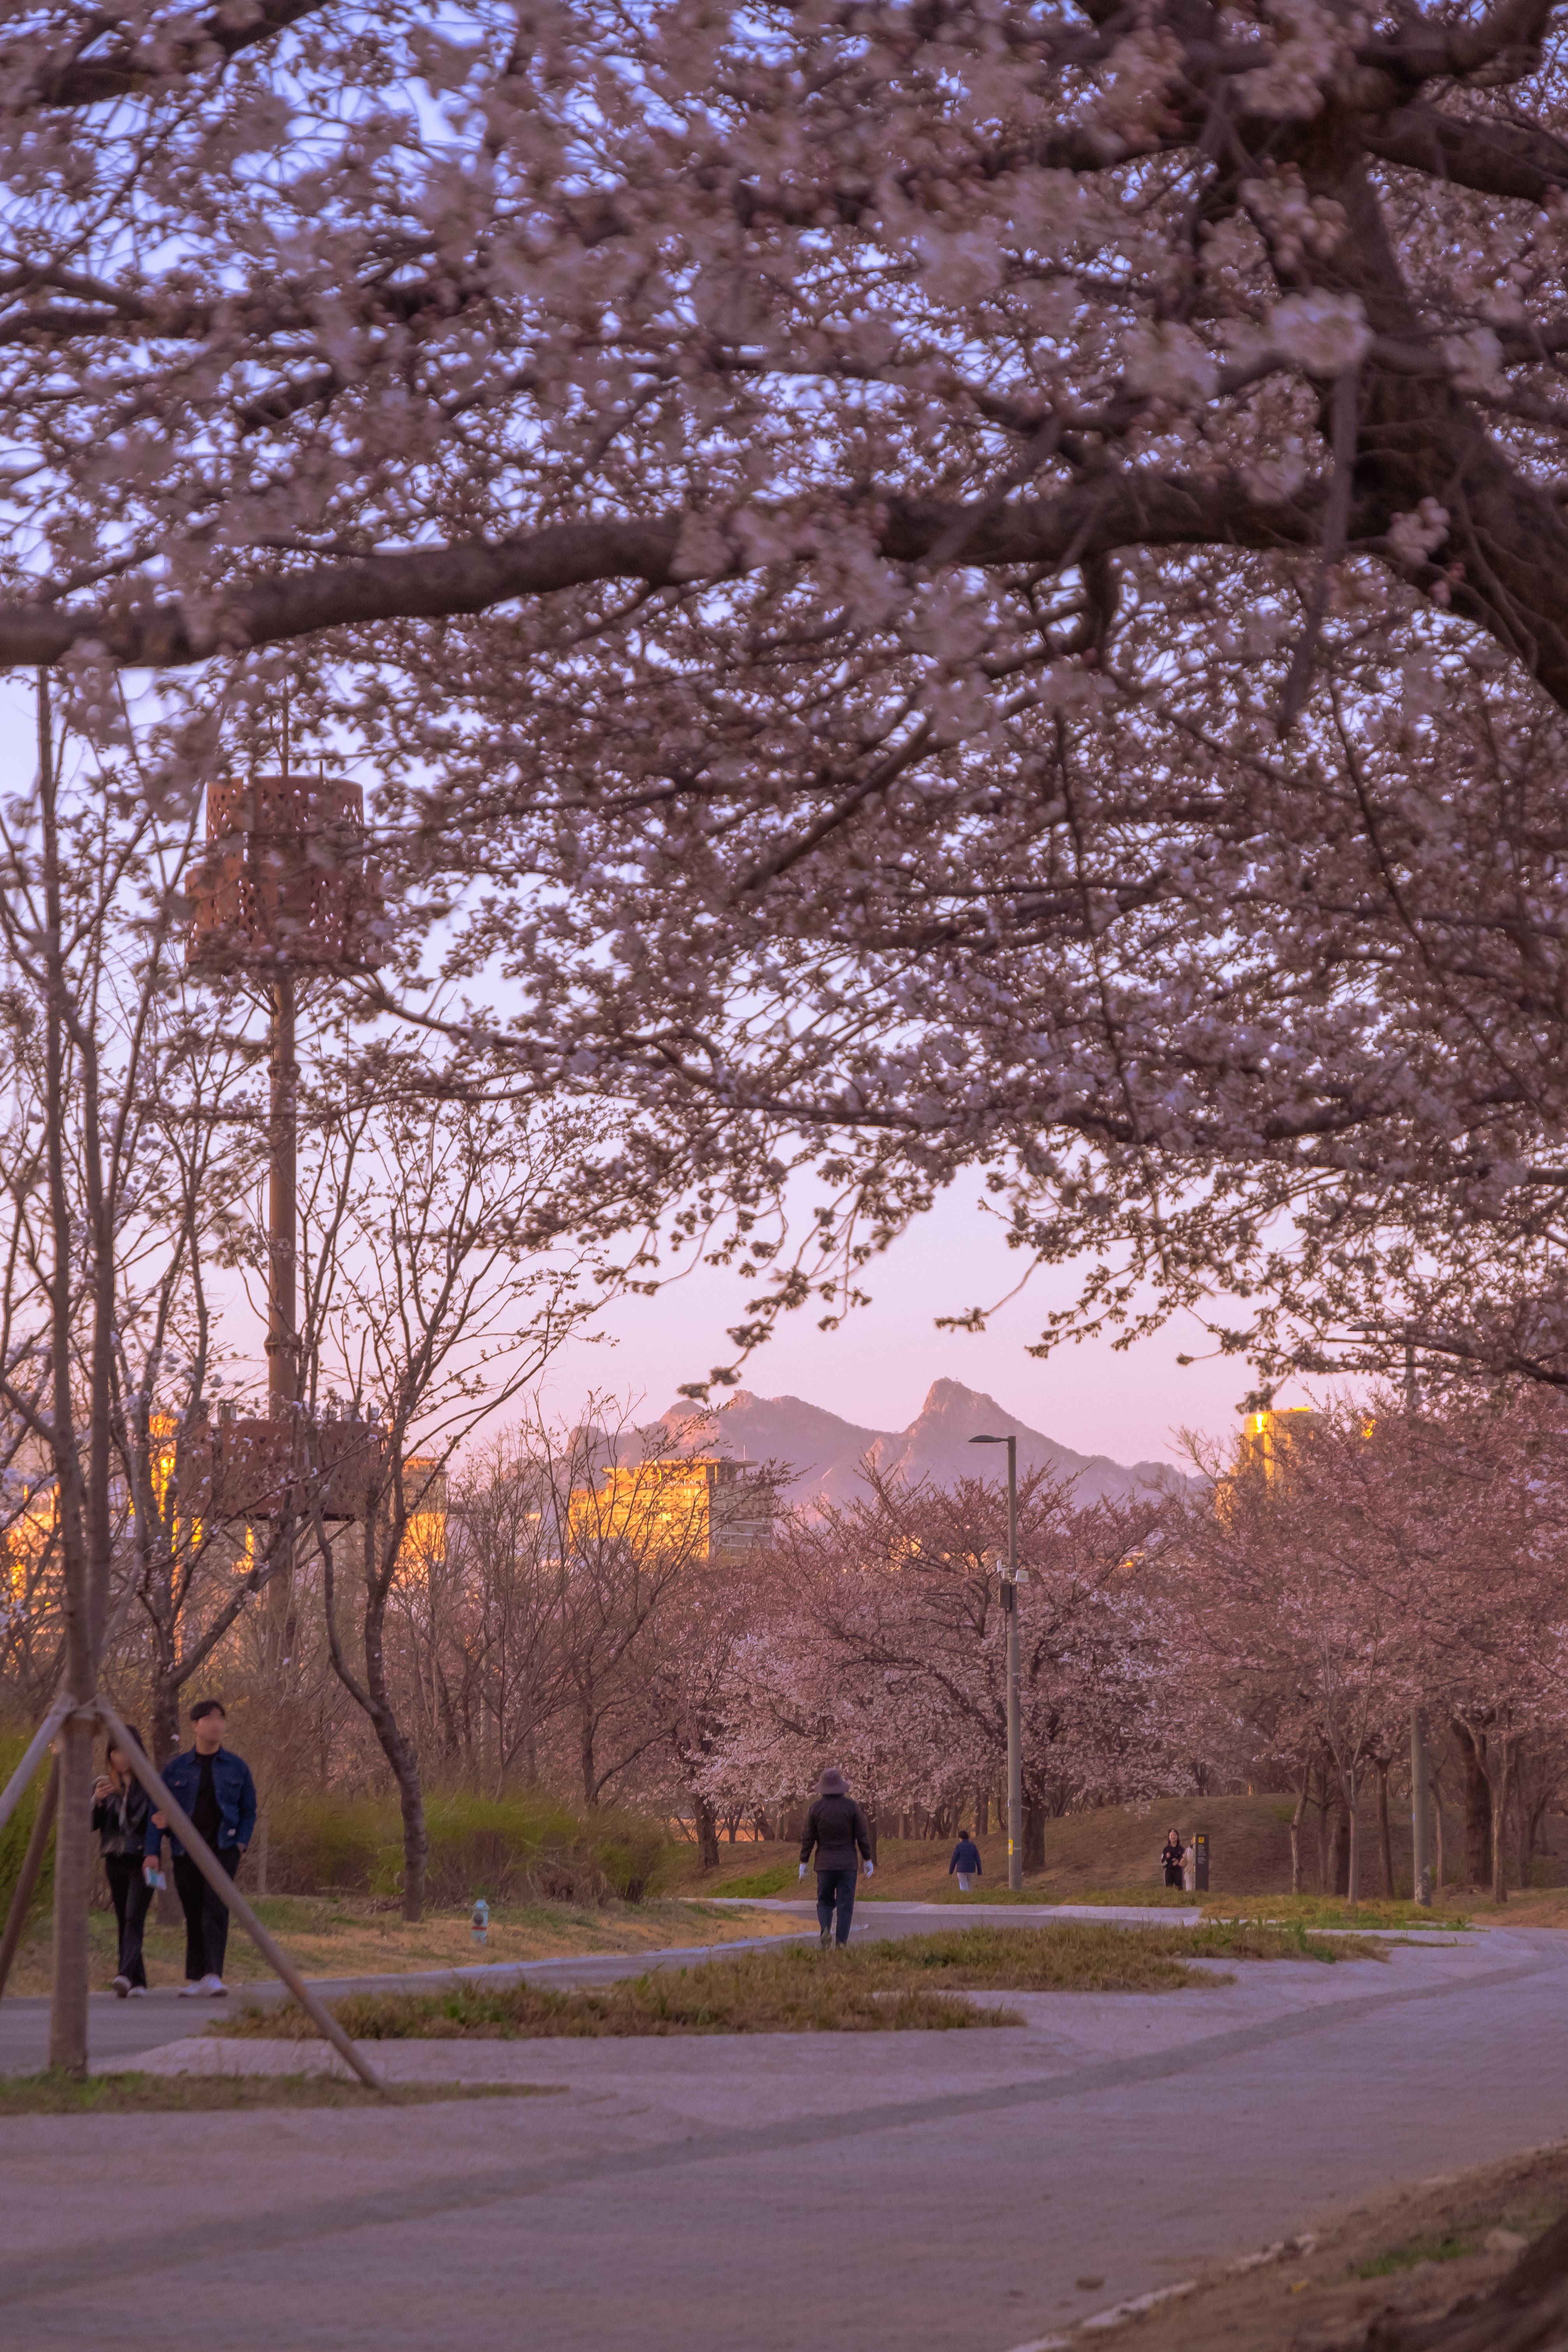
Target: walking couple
(214,1786)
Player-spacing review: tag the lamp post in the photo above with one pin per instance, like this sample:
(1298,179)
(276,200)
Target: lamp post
(1010,1580)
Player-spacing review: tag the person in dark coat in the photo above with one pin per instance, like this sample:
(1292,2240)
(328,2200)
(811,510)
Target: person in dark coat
(215,1788)
(1171,1857)
(120,1809)
(836,1827)
(965,1861)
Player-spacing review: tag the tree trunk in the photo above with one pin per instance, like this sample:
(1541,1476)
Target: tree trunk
(1326,1880)
(1296,1830)
(74,1858)
(1502,1765)
(1352,1874)
(1385,1842)
(1034,1836)
(982,1810)
(1341,1849)
(707,1834)
(1478,1805)
(404,1766)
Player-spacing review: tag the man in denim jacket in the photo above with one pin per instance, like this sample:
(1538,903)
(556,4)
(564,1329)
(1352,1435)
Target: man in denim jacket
(216,1791)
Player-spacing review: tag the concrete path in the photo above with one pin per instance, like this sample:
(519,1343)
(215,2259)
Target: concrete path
(932,2192)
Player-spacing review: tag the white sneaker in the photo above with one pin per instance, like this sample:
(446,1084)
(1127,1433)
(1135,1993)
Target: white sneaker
(194,1988)
(121,1986)
(214,1987)
(137,1992)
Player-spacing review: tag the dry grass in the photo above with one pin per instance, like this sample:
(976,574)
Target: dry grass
(1405,2257)
(351,1935)
(168,2094)
(1328,1911)
(915,1984)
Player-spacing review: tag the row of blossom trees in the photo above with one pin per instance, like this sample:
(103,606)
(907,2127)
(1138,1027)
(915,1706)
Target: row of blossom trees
(1274,1627)
(1379,1563)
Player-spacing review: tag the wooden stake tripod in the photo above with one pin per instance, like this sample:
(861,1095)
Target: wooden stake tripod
(99,1710)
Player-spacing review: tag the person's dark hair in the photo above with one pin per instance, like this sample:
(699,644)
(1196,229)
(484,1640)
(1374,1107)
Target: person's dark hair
(111,1744)
(964,1832)
(205,1706)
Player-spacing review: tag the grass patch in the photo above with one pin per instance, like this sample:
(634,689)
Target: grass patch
(915,1983)
(1328,1911)
(764,1881)
(54,2093)
(1450,2246)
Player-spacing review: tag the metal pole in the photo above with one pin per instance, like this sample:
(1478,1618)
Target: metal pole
(224,1887)
(1015,1729)
(283,1213)
(32,1862)
(1420,1810)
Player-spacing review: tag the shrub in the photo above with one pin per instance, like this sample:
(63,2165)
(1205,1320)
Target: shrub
(19,1828)
(507,1848)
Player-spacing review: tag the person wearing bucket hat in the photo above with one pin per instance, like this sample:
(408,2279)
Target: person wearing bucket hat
(836,1827)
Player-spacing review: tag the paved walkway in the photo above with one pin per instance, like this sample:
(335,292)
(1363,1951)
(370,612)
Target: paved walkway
(932,2192)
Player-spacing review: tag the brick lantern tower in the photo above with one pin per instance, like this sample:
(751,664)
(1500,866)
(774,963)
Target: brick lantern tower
(285,895)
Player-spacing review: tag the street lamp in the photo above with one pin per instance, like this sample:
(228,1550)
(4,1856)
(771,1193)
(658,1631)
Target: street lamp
(1010,1580)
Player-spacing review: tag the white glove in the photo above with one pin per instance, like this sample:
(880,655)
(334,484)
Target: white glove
(871,1870)
(803,1870)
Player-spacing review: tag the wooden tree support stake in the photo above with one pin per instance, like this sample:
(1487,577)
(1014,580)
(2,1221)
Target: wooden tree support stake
(224,1887)
(16,1786)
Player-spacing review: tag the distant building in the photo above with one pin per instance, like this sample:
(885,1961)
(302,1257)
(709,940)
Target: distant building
(700,1505)
(1267,1437)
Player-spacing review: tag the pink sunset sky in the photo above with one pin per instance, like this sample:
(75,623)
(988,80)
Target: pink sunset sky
(876,1368)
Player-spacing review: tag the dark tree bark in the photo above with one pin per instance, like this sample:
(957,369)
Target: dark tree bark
(1384,1841)
(1472,1744)
(1339,1865)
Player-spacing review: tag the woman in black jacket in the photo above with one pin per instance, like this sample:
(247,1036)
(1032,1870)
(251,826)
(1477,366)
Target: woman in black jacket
(120,1809)
(1171,1855)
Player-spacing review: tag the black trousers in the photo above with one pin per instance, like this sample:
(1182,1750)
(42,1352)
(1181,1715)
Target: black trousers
(835,1893)
(131,1894)
(206,1919)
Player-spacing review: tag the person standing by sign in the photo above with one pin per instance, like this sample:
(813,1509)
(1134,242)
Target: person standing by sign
(216,1791)
(1171,1854)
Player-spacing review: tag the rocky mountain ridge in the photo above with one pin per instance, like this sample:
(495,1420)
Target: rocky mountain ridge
(827,1455)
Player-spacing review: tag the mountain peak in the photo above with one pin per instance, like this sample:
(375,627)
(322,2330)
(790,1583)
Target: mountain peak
(827,1457)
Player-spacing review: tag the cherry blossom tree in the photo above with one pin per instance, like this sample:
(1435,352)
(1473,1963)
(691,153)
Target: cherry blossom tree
(883,1651)
(963,586)
(1381,1558)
